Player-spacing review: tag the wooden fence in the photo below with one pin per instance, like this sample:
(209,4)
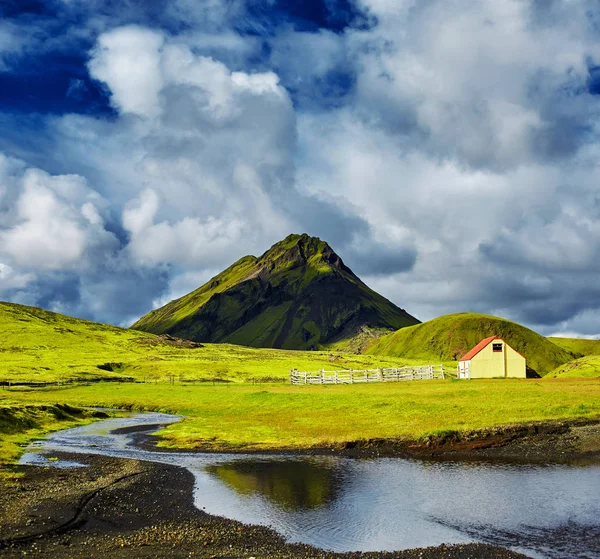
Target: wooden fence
(427,372)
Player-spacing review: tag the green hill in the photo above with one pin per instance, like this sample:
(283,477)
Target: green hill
(297,295)
(588,363)
(584,367)
(579,347)
(39,345)
(449,337)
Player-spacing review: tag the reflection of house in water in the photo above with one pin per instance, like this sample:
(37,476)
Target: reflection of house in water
(290,484)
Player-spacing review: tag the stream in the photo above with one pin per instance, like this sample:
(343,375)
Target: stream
(381,504)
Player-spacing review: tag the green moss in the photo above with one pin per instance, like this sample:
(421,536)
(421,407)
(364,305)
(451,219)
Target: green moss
(22,422)
(40,346)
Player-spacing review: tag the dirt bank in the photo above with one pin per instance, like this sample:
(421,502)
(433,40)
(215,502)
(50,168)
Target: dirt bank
(547,442)
(127,508)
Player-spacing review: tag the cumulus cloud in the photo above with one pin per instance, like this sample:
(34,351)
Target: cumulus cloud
(448,151)
(53,222)
(215,152)
(127,60)
(57,249)
(483,84)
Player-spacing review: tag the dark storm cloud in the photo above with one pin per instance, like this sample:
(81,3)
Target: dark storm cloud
(372,258)
(106,294)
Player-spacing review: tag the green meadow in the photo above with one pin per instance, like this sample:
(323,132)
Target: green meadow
(37,345)
(242,416)
(41,346)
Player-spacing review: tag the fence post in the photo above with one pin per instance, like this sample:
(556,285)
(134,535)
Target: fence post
(322,376)
(350,376)
(336,377)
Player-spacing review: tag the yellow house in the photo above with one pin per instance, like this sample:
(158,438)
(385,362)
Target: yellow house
(491,358)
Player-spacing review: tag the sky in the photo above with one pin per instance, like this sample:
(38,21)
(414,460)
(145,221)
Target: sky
(448,151)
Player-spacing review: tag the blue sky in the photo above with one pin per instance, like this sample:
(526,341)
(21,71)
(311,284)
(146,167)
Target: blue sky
(446,150)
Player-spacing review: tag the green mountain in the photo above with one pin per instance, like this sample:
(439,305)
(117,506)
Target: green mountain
(449,337)
(297,295)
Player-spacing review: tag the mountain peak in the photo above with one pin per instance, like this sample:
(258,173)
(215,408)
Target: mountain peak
(297,295)
(302,251)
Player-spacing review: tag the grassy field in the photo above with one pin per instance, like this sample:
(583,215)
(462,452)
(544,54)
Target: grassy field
(449,337)
(41,346)
(22,422)
(277,416)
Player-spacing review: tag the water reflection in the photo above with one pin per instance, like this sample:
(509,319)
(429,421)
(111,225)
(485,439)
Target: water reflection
(546,511)
(290,484)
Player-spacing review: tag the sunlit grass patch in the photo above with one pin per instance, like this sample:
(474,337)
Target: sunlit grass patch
(22,421)
(244,416)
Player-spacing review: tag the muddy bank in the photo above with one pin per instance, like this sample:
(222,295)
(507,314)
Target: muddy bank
(126,508)
(546,442)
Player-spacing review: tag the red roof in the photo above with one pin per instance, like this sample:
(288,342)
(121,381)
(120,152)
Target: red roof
(478,348)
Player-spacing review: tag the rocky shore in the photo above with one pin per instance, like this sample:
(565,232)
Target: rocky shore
(127,508)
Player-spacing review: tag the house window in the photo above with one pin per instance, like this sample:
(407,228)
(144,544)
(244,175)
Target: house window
(496,347)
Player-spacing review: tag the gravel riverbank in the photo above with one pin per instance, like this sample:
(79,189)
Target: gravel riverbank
(127,508)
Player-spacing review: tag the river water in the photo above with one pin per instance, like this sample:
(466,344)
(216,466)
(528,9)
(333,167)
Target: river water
(344,504)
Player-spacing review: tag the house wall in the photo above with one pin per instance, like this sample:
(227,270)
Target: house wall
(489,364)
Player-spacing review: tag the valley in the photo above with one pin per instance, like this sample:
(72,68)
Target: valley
(219,359)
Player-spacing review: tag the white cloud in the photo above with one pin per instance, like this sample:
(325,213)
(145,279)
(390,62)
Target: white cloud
(11,279)
(459,171)
(474,80)
(219,146)
(51,222)
(12,44)
(128,61)
(189,241)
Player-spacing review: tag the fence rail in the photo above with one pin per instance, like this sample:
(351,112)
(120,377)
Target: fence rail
(352,376)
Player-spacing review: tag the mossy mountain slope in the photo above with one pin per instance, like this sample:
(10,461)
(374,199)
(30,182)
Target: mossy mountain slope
(579,347)
(449,337)
(297,295)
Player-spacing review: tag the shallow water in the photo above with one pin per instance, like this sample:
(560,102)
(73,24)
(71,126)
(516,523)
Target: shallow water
(345,504)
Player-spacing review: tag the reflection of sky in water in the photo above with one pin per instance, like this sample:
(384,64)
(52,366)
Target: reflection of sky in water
(383,504)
